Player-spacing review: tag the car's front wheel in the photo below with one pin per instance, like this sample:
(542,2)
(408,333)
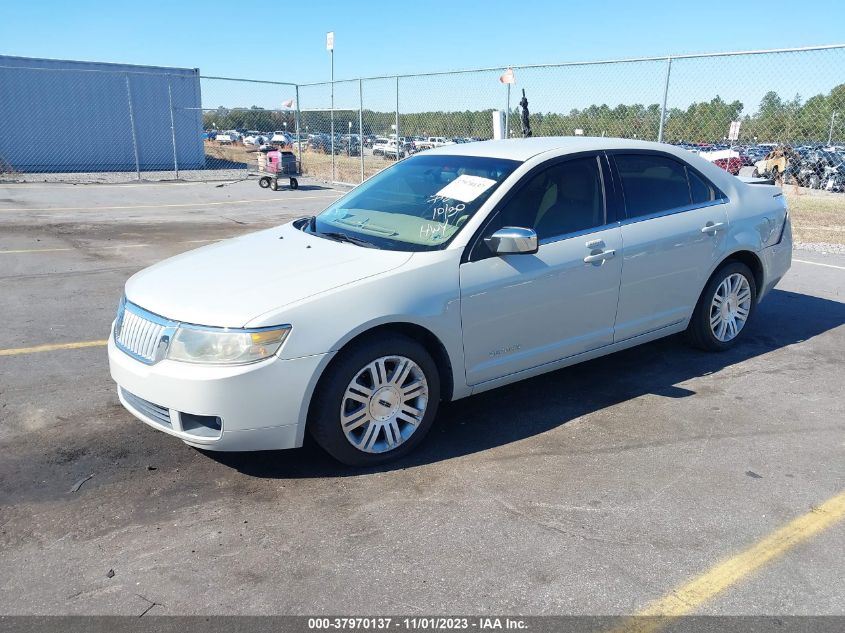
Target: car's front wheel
(724,308)
(377,401)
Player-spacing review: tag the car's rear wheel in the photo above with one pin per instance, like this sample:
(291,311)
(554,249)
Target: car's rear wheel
(724,308)
(376,402)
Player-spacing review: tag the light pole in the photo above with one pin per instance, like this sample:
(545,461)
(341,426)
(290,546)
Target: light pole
(330,48)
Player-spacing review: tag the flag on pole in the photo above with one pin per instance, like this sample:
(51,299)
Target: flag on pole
(289,103)
(507,77)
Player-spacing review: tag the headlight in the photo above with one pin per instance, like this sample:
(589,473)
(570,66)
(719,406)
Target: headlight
(191,344)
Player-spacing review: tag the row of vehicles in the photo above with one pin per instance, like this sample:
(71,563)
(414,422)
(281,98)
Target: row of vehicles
(390,148)
(385,146)
(813,166)
(817,166)
(255,138)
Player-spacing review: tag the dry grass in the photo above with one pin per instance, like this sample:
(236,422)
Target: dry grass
(314,164)
(817,216)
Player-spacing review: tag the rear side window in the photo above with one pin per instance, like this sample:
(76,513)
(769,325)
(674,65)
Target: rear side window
(700,189)
(652,183)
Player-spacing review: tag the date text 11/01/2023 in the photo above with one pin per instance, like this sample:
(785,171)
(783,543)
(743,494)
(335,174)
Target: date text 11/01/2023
(416,623)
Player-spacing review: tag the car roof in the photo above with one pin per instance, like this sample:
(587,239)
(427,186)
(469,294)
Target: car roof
(522,149)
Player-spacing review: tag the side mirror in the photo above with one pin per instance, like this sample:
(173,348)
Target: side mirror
(512,240)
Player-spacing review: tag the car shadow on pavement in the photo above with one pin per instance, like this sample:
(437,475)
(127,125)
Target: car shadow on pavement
(534,406)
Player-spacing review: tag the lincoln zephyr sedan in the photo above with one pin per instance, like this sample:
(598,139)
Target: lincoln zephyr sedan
(457,270)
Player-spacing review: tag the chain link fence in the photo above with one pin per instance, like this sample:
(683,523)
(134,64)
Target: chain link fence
(743,110)
(748,110)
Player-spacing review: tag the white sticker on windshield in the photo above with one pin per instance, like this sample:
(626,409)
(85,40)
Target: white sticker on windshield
(466,188)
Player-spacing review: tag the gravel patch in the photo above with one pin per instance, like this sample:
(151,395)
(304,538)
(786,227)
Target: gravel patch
(824,248)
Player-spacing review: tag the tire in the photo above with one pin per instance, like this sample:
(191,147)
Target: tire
(264,182)
(705,336)
(353,368)
(274,184)
(294,183)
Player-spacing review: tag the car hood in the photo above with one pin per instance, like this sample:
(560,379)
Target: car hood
(229,283)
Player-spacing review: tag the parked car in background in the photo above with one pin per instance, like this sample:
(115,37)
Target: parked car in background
(731,164)
(434,141)
(323,143)
(254,137)
(726,159)
(817,169)
(280,137)
(350,145)
(775,163)
(389,149)
(453,272)
(228,137)
(379,143)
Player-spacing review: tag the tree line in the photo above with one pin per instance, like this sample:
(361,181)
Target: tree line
(775,120)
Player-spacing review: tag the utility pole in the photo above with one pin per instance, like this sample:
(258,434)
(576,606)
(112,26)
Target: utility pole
(330,48)
(830,134)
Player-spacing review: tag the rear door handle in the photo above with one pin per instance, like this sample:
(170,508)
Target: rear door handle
(711,228)
(599,257)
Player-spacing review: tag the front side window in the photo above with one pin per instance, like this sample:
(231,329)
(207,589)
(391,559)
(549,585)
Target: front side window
(652,183)
(565,198)
(418,204)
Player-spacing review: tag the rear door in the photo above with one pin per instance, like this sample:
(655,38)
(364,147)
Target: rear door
(674,233)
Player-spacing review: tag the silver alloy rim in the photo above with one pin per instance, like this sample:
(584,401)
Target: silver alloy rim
(384,404)
(730,307)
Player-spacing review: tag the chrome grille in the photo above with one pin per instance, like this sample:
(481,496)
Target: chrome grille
(154,412)
(138,335)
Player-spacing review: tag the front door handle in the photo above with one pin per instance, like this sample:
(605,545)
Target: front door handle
(711,228)
(599,257)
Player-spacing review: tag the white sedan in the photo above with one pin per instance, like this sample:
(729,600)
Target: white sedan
(455,271)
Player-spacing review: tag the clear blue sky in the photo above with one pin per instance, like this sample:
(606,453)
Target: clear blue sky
(285,41)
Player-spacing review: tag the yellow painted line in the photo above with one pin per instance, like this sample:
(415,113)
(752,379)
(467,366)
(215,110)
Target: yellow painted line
(166,206)
(51,348)
(690,596)
(804,261)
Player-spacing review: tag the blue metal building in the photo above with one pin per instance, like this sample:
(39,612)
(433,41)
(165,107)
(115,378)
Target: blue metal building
(70,116)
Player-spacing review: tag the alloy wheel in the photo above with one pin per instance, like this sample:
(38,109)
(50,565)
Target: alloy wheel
(730,307)
(384,404)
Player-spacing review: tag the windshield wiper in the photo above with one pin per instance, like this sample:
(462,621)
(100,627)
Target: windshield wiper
(343,237)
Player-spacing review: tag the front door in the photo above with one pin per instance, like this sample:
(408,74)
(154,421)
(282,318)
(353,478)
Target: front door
(522,311)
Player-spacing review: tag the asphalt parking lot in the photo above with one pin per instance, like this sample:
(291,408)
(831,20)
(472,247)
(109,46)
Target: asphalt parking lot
(597,489)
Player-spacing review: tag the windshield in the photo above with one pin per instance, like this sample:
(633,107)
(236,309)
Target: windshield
(419,204)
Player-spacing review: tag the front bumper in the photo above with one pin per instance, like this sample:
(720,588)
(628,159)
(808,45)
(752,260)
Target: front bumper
(260,406)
